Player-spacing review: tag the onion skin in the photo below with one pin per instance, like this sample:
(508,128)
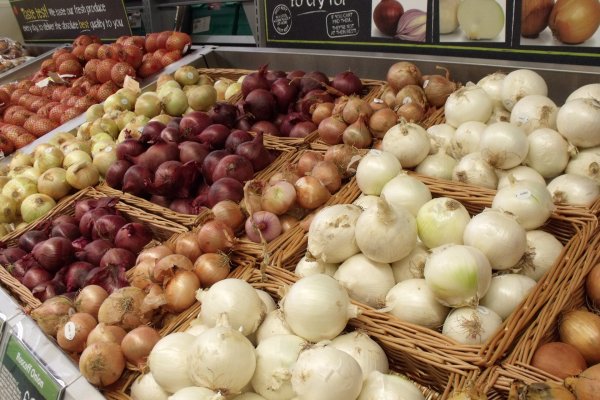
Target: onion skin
(574,21)
(95,368)
(534,16)
(559,359)
(581,329)
(586,386)
(592,286)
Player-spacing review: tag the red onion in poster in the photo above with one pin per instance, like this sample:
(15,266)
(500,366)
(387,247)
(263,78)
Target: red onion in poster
(412,26)
(386,16)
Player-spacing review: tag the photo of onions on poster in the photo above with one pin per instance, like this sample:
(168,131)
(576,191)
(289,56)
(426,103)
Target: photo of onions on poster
(561,31)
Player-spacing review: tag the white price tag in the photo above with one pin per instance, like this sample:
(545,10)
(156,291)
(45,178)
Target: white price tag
(201,25)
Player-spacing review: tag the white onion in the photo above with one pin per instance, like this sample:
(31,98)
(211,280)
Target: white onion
(458,275)
(326,373)
(534,112)
(521,83)
(503,145)
(375,169)
(480,19)
(439,165)
(440,137)
(499,237)
(579,121)
(310,266)
(469,103)
(273,324)
(275,358)
(197,327)
(248,396)
(521,173)
(386,234)
(412,301)
(506,292)
(366,281)
(492,84)
(389,387)
(468,325)
(586,163)
(548,152)
(196,393)
(237,300)
(574,190)
(221,359)
(407,192)
(411,266)
(441,221)
(529,201)
(499,114)
(317,308)
(474,170)
(145,388)
(589,91)
(466,138)
(331,234)
(408,142)
(168,361)
(365,201)
(267,300)
(368,354)
(543,251)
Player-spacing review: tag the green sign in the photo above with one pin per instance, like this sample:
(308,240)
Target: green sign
(23,377)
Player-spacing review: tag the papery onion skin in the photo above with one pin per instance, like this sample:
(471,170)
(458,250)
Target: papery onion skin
(471,325)
(587,385)
(559,359)
(180,292)
(581,329)
(324,227)
(73,334)
(211,268)
(138,343)
(102,363)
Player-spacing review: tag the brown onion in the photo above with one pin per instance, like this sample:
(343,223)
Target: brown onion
(321,111)
(141,276)
(89,300)
(581,329)
(180,292)
(169,265)
(307,161)
(534,16)
(288,173)
(311,193)
(106,333)
(586,386)
(559,359)
(211,268)
(331,130)
(187,245)
(411,112)
(389,96)
(49,315)
(592,286)
(357,134)
(574,21)
(327,173)
(124,308)
(411,94)
(229,212)
(154,253)
(381,121)
(215,236)
(354,108)
(102,363)
(403,73)
(287,222)
(438,88)
(138,343)
(278,198)
(345,157)
(73,334)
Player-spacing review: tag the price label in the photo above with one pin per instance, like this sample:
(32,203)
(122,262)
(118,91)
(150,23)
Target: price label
(24,377)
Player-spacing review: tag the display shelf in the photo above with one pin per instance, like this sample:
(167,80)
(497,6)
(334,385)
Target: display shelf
(27,68)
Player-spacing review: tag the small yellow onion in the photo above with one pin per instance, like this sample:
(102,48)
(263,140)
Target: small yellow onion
(104,159)
(21,159)
(581,329)
(574,21)
(35,206)
(76,156)
(82,175)
(232,90)
(54,183)
(48,158)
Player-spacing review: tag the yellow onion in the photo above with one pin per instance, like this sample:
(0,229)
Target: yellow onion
(82,175)
(581,329)
(575,21)
(534,16)
(54,183)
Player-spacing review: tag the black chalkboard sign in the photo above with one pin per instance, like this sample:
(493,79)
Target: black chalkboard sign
(351,25)
(64,20)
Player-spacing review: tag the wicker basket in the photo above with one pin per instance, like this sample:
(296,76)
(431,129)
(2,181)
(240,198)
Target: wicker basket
(272,280)
(161,228)
(573,230)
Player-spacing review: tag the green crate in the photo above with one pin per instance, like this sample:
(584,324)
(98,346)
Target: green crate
(216,18)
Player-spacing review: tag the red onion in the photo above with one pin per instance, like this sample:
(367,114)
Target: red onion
(261,104)
(255,80)
(94,251)
(193,123)
(133,237)
(192,151)
(244,123)
(264,222)
(136,180)
(285,93)
(255,152)
(116,172)
(106,227)
(347,82)
(290,120)
(76,275)
(223,113)
(210,163)
(35,276)
(83,206)
(235,138)
(86,224)
(19,267)
(202,196)
(171,134)
(117,257)
(29,239)
(64,219)
(190,178)
(183,206)
(129,147)
(214,135)
(294,75)
(156,154)
(265,127)
(233,166)
(151,132)
(80,243)
(316,96)
(53,253)
(69,231)
(273,75)
(386,16)
(225,189)
(312,80)
(303,129)
(12,255)
(166,178)
(160,200)
(109,279)
(47,290)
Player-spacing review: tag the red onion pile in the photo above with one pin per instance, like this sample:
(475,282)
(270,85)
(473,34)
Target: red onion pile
(96,246)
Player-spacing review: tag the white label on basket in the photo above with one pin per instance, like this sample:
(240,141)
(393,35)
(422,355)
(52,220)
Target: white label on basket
(70,330)
(201,25)
(406,100)
(523,195)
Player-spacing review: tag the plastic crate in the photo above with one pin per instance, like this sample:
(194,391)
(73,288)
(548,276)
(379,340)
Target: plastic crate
(216,18)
